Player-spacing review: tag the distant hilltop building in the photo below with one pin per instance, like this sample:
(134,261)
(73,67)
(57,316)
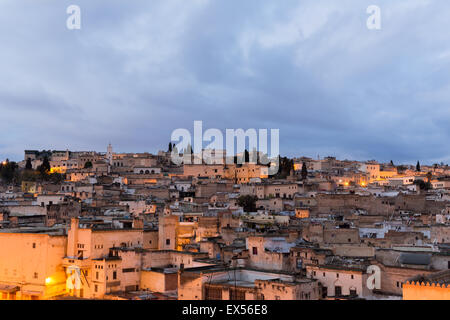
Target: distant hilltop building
(61,161)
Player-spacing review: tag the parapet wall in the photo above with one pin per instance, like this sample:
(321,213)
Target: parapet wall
(425,291)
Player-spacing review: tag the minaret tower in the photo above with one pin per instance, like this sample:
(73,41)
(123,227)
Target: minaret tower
(109,154)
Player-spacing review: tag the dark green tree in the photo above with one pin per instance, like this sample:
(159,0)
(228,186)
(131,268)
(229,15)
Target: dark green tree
(170,147)
(8,171)
(29,175)
(248,202)
(285,167)
(46,164)
(304,171)
(429,176)
(401,169)
(423,185)
(88,165)
(418,166)
(28,165)
(56,178)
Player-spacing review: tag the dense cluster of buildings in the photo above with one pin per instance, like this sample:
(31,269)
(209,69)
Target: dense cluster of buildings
(136,226)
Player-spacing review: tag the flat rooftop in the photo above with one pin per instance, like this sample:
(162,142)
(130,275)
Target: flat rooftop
(60,231)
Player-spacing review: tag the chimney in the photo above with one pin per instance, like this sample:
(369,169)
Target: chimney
(72,238)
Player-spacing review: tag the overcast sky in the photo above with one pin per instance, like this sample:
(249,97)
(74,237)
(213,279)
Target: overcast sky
(137,70)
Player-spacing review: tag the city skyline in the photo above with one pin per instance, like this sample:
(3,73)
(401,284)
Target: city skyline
(298,156)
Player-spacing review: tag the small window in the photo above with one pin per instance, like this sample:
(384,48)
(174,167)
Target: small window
(34,245)
(255,251)
(167,241)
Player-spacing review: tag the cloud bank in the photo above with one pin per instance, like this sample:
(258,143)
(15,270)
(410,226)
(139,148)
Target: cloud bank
(139,69)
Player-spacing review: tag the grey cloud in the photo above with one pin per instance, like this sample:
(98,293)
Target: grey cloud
(138,70)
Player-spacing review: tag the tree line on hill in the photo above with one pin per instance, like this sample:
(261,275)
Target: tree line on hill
(11,173)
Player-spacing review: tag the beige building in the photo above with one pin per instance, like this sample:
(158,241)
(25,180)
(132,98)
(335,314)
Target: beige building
(221,283)
(31,265)
(270,190)
(269,253)
(238,173)
(372,169)
(338,282)
(106,260)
